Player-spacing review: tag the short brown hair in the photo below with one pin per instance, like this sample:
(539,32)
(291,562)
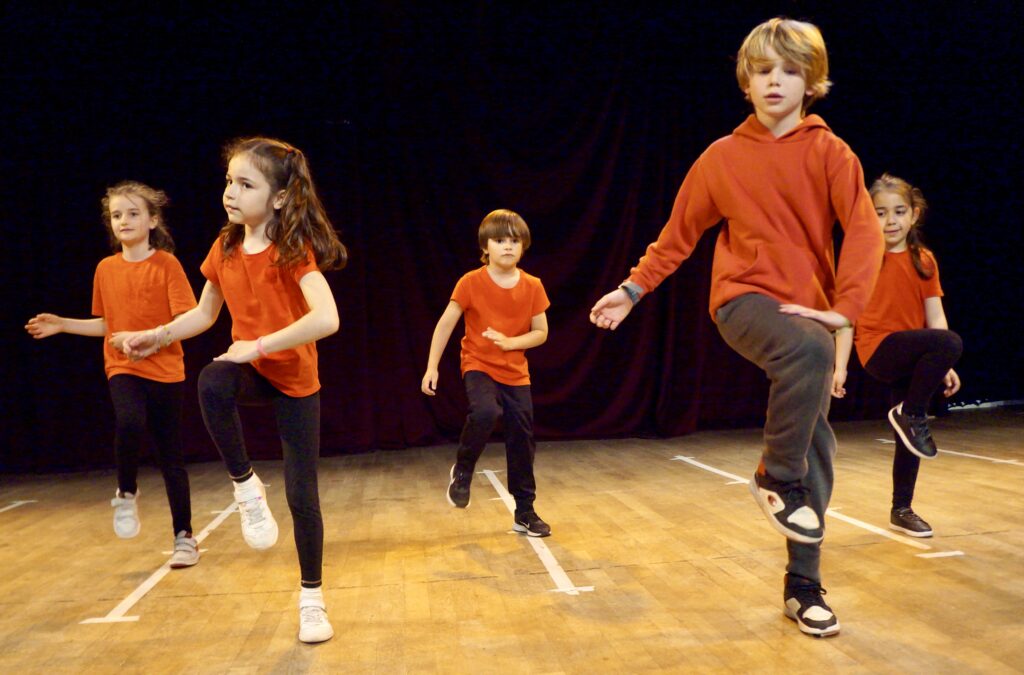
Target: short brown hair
(502,223)
(156,200)
(796,41)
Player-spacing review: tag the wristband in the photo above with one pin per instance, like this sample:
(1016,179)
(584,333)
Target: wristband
(259,347)
(634,297)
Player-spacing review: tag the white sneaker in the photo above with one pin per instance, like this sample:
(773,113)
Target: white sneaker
(259,529)
(186,551)
(126,514)
(313,623)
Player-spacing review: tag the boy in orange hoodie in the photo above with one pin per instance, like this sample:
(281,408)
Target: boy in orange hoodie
(779,181)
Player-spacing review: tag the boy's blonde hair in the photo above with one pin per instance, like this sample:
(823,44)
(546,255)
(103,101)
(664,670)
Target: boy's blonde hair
(796,41)
(502,223)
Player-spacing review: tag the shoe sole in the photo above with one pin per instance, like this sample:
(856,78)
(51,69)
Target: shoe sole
(522,529)
(447,493)
(903,437)
(912,533)
(788,534)
(810,630)
(178,566)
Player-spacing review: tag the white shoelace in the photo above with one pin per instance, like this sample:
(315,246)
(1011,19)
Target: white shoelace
(252,510)
(313,615)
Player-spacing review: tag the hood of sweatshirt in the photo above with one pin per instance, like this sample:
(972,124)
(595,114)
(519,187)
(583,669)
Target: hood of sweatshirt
(754,130)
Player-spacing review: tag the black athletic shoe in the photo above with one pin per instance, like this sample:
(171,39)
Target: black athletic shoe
(458,488)
(530,523)
(905,520)
(914,432)
(787,507)
(804,604)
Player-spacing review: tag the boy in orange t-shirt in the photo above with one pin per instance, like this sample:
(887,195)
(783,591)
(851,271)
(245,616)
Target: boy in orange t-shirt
(504,308)
(141,284)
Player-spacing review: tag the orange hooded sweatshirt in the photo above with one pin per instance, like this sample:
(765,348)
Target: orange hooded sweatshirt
(780,199)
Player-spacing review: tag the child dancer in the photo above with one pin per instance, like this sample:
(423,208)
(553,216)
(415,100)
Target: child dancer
(141,284)
(779,182)
(266,265)
(903,339)
(505,315)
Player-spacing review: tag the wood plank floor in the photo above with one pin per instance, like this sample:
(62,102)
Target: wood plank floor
(685,574)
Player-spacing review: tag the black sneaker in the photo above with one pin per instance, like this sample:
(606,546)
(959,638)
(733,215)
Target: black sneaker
(914,432)
(530,523)
(787,507)
(905,520)
(804,604)
(458,488)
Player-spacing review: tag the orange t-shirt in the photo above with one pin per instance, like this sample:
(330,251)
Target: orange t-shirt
(139,296)
(898,301)
(507,310)
(779,198)
(264,299)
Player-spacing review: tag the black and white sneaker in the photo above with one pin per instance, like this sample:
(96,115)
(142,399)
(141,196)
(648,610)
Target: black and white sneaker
(787,507)
(914,432)
(804,604)
(458,487)
(531,524)
(905,520)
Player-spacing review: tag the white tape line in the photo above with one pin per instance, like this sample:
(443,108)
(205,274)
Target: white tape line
(14,505)
(562,582)
(829,512)
(117,615)
(940,554)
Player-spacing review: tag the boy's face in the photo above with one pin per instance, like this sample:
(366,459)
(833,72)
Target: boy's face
(505,252)
(130,219)
(777,88)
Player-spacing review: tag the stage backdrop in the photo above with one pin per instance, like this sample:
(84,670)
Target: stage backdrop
(419,121)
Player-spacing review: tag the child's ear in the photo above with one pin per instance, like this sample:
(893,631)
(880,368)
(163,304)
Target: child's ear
(279,199)
(916,215)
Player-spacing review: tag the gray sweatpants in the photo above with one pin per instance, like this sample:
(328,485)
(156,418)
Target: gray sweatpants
(798,356)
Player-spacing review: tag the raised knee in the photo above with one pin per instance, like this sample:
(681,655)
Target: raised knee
(214,379)
(953,343)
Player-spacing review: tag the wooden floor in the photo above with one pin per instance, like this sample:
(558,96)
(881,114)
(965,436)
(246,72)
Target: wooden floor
(664,566)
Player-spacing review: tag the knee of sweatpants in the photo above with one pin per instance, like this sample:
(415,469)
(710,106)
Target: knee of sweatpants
(215,380)
(816,350)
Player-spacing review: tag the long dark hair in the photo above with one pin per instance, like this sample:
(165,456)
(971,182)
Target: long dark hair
(915,198)
(301,222)
(156,200)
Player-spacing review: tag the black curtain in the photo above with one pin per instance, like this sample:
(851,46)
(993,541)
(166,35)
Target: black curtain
(417,122)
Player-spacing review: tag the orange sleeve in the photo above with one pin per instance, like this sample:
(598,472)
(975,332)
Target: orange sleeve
(179,291)
(693,212)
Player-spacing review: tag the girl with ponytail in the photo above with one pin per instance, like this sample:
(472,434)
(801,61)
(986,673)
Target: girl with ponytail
(267,265)
(903,339)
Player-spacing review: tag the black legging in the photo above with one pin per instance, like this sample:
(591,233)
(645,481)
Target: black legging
(140,403)
(223,386)
(914,363)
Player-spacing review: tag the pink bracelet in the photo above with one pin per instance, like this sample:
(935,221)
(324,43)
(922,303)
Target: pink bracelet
(260,349)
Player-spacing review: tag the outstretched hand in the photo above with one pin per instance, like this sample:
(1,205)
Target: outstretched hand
(44,325)
(829,319)
(611,310)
